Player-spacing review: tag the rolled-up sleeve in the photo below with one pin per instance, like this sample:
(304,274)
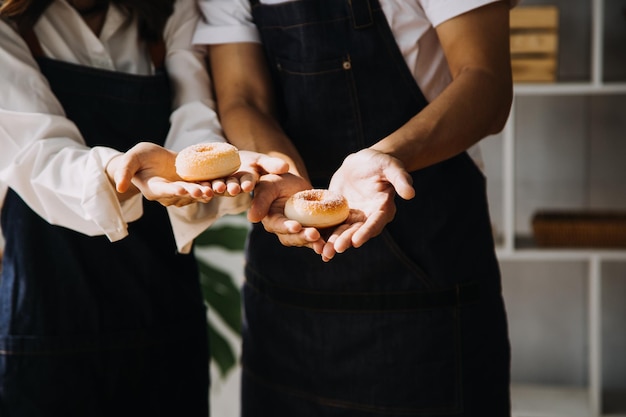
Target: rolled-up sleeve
(44,158)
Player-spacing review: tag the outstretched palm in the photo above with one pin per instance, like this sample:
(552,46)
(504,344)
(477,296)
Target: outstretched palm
(369,180)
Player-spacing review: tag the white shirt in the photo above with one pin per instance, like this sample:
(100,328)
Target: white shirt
(43,156)
(412,23)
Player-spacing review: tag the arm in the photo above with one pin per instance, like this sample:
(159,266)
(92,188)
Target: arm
(44,157)
(43,152)
(475,104)
(193,120)
(245,102)
(245,105)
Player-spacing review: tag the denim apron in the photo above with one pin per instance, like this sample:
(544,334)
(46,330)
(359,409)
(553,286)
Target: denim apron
(93,328)
(413,322)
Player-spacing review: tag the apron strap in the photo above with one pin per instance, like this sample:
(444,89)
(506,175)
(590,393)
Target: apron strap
(361,11)
(156,48)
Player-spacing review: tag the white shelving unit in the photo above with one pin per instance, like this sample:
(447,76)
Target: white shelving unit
(557,297)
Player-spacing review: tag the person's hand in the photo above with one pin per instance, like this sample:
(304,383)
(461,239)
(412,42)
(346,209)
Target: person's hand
(253,166)
(369,180)
(150,169)
(268,205)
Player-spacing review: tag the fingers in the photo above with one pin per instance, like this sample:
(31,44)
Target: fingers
(254,165)
(358,229)
(302,238)
(272,165)
(291,233)
(280,225)
(262,164)
(372,227)
(342,241)
(265,194)
(232,186)
(247,181)
(177,193)
(339,241)
(290,240)
(229,186)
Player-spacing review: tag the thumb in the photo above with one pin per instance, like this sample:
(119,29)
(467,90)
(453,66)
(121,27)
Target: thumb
(263,197)
(125,169)
(400,179)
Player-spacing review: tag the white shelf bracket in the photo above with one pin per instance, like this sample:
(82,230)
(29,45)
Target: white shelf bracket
(508,175)
(595,335)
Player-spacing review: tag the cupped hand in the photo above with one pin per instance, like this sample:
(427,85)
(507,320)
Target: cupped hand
(369,180)
(268,205)
(150,169)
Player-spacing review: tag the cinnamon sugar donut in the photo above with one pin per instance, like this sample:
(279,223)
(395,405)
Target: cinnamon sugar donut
(317,208)
(207,161)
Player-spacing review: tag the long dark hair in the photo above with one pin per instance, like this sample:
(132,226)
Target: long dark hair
(152,14)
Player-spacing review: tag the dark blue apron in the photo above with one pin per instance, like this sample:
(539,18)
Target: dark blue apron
(413,322)
(94,328)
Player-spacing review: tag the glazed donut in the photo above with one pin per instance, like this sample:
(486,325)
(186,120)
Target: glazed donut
(207,161)
(317,208)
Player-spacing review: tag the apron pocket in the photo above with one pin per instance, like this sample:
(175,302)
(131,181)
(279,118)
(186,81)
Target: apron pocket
(402,362)
(323,149)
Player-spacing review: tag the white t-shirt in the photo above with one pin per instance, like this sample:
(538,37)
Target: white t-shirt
(412,23)
(43,156)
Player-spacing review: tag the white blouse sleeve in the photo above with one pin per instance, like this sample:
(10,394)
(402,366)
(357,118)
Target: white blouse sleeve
(43,156)
(193,120)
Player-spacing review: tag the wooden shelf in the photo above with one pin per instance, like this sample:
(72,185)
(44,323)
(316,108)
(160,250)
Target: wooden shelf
(563,88)
(525,249)
(529,400)
(586,112)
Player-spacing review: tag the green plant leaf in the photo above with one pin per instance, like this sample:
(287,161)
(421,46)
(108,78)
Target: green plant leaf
(227,237)
(221,351)
(221,294)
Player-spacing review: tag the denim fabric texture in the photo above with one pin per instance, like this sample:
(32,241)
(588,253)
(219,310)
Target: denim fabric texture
(90,328)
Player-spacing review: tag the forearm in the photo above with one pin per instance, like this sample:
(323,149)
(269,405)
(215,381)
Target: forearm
(245,103)
(474,105)
(477,101)
(249,128)
(64,183)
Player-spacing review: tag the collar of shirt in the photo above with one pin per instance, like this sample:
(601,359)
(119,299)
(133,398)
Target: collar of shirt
(57,27)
